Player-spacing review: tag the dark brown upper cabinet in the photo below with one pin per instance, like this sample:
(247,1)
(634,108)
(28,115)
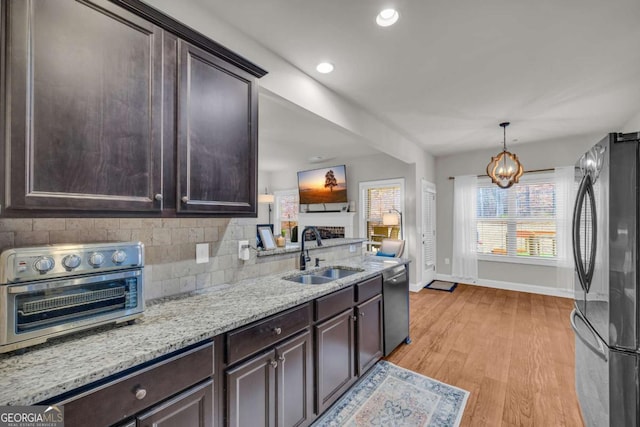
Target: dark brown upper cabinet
(112,106)
(84,98)
(217,136)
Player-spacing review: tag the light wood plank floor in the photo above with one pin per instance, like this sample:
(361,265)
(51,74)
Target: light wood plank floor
(513,351)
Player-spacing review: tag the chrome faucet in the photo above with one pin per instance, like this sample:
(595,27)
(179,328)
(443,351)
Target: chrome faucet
(304,257)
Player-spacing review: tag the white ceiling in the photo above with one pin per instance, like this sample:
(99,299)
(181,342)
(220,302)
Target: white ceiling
(290,136)
(450,70)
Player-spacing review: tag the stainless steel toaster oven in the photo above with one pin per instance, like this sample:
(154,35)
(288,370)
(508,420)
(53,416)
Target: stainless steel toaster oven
(53,290)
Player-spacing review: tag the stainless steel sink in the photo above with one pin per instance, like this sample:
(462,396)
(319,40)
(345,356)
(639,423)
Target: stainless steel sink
(309,279)
(337,272)
(325,275)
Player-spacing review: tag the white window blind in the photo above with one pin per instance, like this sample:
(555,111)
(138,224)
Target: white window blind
(519,221)
(380,197)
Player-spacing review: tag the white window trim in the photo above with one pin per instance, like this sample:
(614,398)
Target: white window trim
(276,208)
(549,262)
(363,186)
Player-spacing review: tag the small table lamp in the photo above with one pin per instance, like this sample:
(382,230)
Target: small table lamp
(390,219)
(266,198)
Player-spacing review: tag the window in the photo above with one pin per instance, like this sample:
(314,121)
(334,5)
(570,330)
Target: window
(286,211)
(518,222)
(378,198)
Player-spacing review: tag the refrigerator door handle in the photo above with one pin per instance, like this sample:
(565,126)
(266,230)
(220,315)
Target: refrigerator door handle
(585,193)
(598,348)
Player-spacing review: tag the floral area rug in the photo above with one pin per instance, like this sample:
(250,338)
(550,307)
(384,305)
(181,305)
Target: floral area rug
(392,396)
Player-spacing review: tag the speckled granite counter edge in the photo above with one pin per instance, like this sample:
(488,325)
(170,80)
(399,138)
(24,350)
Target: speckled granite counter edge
(65,364)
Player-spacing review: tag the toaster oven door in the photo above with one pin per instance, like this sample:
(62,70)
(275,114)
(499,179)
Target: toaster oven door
(49,308)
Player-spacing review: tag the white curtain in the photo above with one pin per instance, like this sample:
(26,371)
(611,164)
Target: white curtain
(565,200)
(464,264)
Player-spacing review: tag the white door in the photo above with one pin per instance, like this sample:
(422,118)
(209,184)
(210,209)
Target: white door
(428,232)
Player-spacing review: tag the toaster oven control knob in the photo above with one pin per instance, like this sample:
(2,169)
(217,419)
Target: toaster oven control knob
(119,257)
(96,259)
(71,261)
(44,264)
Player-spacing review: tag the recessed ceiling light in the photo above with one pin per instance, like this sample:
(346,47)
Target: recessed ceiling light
(387,17)
(319,159)
(325,67)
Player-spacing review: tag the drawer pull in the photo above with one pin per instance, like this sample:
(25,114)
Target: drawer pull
(278,331)
(273,364)
(140,393)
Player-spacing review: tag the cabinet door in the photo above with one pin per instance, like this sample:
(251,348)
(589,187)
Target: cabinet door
(217,135)
(193,407)
(83,107)
(294,384)
(335,346)
(251,392)
(369,315)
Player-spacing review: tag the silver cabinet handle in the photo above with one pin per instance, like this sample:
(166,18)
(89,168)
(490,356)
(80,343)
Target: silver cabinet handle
(354,318)
(273,364)
(362,314)
(158,197)
(278,331)
(281,358)
(184,199)
(140,393)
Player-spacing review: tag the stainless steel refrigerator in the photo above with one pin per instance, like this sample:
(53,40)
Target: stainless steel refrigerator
(605,248)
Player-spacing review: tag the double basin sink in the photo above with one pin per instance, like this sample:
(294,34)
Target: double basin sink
(325,275)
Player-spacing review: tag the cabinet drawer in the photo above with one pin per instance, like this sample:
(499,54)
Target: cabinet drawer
(123,398)
(334,303)
(247,340)
(368,288)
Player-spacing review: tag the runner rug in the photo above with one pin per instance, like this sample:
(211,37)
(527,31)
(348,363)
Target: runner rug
(392,396)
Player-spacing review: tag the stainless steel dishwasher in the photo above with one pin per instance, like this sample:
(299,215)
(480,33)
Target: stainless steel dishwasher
(395,289)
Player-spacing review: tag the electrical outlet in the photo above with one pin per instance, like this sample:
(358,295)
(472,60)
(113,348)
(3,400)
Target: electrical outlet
(446,261)
(243,250)
(202,253)
(352,248)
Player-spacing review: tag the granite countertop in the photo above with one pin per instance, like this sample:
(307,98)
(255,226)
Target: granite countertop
(67,363)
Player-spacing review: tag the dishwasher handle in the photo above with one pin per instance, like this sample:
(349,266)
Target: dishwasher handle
(401,278)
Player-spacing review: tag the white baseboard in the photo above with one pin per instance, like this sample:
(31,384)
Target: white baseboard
(415,287)
(508,286)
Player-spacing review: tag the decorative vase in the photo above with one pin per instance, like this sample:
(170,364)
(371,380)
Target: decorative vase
(281,241)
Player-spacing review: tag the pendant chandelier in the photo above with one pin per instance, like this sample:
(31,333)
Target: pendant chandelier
(505,169)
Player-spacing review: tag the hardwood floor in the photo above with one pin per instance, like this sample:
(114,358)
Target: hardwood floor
(513,351)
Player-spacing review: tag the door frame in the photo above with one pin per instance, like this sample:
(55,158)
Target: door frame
(428,275)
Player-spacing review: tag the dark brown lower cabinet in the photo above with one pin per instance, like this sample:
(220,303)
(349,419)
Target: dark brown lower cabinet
(335,350)
(294,382)
(369,315)
(178,391)
(193,408)
(274,388)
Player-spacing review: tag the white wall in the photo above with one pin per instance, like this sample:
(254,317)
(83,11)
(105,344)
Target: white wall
(633,125)
(540,155)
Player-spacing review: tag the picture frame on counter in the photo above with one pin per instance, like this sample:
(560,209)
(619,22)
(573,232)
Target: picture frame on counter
(266,237)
